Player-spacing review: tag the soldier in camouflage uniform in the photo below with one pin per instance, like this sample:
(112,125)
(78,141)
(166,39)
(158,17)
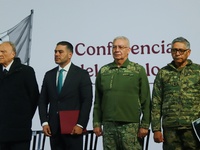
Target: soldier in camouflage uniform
(122,95)
(176,100)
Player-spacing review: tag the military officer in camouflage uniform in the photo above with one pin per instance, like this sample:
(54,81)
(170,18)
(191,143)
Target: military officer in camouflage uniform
(176,100)
(122,96)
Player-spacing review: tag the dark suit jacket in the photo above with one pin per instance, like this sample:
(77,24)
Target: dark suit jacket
(19,96)
(76,94)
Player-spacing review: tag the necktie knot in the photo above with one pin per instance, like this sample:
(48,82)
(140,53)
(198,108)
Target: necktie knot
(61,70)
(60,80)
(5,71)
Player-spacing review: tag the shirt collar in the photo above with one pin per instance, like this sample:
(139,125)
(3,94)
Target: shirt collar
(66,68)
(8,67)
(124,65)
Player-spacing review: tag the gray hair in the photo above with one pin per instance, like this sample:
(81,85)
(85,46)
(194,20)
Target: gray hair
(182,40)
(123,38)
(12,45)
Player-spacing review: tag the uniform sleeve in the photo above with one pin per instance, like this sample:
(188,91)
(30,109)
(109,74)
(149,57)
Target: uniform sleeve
(145,99)
(97,114)
(157,103)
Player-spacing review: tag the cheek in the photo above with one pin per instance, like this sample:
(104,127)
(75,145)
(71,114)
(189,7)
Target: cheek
(173,55)
(188,54)
(6,56)
(125,53)
(70,56)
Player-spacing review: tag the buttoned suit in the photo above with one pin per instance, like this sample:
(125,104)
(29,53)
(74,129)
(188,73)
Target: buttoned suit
(76,94)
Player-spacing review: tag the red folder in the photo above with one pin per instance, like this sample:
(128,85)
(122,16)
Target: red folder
(68,119)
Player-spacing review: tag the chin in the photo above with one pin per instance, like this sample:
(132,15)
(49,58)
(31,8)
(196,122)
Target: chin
(117,58)
(178,60)
(56,62)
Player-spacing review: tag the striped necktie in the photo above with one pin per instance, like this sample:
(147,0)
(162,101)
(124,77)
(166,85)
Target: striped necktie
(60,80)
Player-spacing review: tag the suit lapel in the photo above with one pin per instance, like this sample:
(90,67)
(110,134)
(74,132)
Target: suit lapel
(53,78)
(70,77)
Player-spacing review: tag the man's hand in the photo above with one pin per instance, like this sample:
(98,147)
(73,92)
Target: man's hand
(47,130)
(158,137)
(98,131)
(77,130)
(142,132)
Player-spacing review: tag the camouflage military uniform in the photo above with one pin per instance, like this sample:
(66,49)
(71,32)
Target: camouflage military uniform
(121,136)
(121,96)
(176,100)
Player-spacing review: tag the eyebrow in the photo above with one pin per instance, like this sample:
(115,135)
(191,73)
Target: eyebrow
(59,50)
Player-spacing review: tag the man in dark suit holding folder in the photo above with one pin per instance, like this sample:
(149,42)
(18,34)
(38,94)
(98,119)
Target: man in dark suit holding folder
(75,94)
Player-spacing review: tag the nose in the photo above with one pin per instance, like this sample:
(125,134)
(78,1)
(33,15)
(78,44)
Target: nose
(178,53)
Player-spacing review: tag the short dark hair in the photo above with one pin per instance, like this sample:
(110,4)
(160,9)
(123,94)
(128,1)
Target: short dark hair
(67,44)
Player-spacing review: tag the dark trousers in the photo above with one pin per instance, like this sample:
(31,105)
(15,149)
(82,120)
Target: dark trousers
(19,145)
(66,142)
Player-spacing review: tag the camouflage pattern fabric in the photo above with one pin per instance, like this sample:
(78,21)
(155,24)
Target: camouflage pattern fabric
(176,139)
(176,96)
(121,136)
(175,104)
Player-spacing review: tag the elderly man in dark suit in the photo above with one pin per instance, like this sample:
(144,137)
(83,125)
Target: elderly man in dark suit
(19,96)
(76,94)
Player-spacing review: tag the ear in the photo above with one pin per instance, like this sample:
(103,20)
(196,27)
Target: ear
(189,51)
(129,49)
(13,54)
(70,55)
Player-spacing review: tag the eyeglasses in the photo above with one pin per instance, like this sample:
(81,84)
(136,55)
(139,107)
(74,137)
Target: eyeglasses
(181,51)
(121,47)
